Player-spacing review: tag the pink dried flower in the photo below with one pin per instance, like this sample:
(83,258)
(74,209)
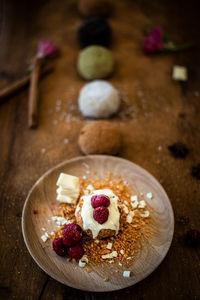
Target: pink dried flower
(154,41)
(47,49)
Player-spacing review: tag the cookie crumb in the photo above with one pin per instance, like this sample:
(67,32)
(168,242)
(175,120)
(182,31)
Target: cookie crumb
(89,270)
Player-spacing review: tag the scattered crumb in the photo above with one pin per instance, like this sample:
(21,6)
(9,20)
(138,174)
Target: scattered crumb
(89,270)
(106,279)
(66,141)
(142,204)
(127,274)
(44,238)
(43,150)
(149,195)
(109,246)
(145,214)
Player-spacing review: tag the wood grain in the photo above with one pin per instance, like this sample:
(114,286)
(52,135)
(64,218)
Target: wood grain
(163,113)
(43,194)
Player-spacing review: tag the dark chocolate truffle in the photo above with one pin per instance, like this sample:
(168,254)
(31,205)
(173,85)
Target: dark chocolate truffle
(95,8)
(94,31)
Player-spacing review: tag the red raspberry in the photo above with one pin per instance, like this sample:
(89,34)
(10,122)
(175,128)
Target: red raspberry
(59,247)
(100,200)
(71,234)
(76,251)
(100,214)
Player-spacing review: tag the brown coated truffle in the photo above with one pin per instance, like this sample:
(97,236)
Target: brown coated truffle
(89,8)
(99,137)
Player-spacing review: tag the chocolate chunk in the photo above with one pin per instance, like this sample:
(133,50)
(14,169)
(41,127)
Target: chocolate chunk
(195,171)
(178,150)
(193,238)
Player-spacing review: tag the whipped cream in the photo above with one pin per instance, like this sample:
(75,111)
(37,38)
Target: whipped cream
(87,213)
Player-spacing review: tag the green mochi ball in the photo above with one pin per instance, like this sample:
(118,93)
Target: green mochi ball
(95,62)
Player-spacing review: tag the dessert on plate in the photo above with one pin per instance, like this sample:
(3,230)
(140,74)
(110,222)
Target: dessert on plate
(99,220)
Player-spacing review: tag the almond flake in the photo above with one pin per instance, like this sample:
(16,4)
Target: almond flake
(134,198)
(110,255)
(145,214)
(90,188)
(125,208)
(142,204)
(44,238)
(130,216)
(109,246)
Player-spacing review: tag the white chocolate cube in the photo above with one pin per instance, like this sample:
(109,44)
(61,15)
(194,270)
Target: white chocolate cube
(179,73)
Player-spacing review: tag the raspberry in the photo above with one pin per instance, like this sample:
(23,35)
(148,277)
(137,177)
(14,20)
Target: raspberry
(100,200)
(76,251)
(100,214)
(59,247)
(71,234)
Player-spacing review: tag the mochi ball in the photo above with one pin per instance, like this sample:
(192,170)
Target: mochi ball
(94,31)
(95,8)
(98,99)
(95,62)
(99,137)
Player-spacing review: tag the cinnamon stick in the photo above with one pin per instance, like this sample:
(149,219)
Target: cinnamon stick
(18,85)
(33,94)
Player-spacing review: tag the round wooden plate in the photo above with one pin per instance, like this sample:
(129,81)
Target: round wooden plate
(43,193)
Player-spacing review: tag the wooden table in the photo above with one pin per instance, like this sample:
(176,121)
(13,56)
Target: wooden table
(162,112)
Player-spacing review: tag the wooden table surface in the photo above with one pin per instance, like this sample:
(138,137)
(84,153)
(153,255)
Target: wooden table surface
(157,113)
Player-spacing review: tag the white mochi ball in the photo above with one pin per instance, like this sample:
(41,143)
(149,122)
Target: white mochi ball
(98,99)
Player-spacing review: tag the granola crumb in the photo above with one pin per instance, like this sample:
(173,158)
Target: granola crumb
(106,279)
(89,270)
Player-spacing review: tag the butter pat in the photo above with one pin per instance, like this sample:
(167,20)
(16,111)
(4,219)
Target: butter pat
(68,181)
(179,73)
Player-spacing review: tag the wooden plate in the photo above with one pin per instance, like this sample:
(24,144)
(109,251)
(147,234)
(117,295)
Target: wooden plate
(43,193)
